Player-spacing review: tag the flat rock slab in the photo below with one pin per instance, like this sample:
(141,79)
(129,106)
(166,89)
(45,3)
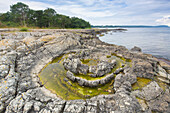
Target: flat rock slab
(152,91)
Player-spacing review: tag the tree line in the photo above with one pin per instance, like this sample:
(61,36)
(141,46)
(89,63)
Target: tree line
(21,15)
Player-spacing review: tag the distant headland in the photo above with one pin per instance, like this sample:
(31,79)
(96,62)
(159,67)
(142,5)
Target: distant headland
(127,26)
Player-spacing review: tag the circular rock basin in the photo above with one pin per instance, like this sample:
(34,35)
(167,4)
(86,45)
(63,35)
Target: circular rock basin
(54,77)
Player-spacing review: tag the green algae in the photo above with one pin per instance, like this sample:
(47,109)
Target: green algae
(53,77)
(122,58)
(108,56)
(55,83)
(141,82)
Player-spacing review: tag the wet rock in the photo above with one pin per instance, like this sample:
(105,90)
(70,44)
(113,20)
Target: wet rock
(136,49)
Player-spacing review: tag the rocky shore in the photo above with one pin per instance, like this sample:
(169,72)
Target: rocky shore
(140,81)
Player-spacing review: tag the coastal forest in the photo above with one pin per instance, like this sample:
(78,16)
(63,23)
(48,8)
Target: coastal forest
(21,15)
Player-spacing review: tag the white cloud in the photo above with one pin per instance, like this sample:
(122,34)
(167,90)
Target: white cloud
(5,4)
(100,12)
(164,21)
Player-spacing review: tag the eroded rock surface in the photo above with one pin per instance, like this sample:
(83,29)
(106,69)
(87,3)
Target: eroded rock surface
(23,56)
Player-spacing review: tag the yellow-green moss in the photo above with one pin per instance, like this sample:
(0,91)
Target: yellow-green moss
(24,29)
(108,56)
(141,82)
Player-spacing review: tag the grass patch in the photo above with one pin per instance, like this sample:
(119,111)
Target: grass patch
(24,29)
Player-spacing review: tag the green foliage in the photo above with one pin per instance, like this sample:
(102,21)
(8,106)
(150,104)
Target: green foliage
(24,29)
(8,24)
(21,15)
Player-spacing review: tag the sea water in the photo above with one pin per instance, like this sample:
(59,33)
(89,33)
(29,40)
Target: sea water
(155,41)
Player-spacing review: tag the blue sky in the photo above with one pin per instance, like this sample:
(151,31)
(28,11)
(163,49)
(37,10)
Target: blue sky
(105,12)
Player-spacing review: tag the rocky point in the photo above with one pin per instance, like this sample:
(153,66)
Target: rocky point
(95,77)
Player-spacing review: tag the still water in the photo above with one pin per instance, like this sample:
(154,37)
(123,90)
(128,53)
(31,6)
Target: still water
(155,41)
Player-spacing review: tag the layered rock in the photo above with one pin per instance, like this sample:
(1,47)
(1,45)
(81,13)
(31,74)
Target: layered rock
(23,55)
(90,83)
(75,66)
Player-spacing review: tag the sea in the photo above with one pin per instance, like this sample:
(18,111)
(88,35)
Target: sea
(155,41)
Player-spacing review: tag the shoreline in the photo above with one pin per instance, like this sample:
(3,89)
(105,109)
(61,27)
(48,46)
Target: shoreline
(25,54)
(161,58)
(164,60)
(96,30)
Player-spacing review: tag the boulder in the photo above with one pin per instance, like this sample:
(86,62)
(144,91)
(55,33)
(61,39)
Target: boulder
(136,49)
(83,69)
(120,78)
(142,68)
(151,91)
(75,66)
(163,75)
(104,68)
(92,69)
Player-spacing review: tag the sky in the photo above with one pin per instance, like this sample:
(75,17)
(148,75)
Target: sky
(104,12)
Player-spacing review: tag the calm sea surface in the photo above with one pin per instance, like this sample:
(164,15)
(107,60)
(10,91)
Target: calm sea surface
(155,41)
